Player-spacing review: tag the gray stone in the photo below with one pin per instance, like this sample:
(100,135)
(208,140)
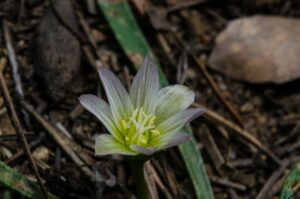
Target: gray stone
(259,49)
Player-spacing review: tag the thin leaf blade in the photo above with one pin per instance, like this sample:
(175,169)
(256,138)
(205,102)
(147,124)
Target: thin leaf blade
(291,183)
(11,179)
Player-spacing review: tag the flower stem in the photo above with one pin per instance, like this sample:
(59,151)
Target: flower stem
(137,169)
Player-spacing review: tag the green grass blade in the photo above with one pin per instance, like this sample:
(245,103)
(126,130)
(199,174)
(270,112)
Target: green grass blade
(131,39)
(11,179)
(290,184)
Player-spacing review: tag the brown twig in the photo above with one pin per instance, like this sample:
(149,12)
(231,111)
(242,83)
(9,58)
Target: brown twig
(153,174)
(240,132)
(20,153)
(289,136)
(227,183)
(212,148)
(165,47)
(91,41)
(232,194)
(185,4)
(218,161)
(150,181)
(20,131)
(170,178)
(209,79)
(240,163)
(13,137)
(278,184)
(157,172)
(61,140)
(289,148)
(264,193)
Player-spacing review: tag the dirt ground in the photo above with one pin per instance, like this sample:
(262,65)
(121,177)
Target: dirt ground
(48,55)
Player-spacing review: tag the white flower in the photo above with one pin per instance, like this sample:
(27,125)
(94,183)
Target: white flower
(146,120)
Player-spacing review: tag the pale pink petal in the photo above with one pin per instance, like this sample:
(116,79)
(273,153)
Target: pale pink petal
(144,150)
(173,99)
(117,95)
(101,110)
(177,121)
(174,139)
(145,87)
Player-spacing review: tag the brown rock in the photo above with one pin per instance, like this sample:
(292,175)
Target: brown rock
(259,49)
(57,53)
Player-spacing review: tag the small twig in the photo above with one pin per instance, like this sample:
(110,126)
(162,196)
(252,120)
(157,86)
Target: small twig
(210,80)
(127,78)
(212,148)
(264,193)
(218,161)
(77,110)
(296,187)
(20,153)
(239,131)
(20,131)
(3,62)
(158,181)
(232,194)
(290,120)
(91,41)
(227,183)
(182,68)
(12,137)
(63,142)
(12,59)
(62,129)
(185,4)
(290,148)
(240,163)
(289,136)
(278,185)
(170,178)
(165,47)
(14,66)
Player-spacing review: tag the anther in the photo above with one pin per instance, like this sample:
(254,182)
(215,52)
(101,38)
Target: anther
(127,138)
(155,132)
(124,124)
(153,118)
(144,141)
(144,114)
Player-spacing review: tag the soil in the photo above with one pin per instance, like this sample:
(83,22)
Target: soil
(55,72)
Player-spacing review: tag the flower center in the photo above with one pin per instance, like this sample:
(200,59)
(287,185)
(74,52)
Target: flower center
(139,128)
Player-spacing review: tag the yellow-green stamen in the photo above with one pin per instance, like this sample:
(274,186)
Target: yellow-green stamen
(139,128)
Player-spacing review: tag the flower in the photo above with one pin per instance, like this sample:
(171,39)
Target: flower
(145,120)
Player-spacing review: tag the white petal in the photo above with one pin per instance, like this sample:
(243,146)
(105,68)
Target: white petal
(145,87)
(144,150)
(117,95)
(107,144)
(101,110)
(173,99)
(176,122)
(174,139)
